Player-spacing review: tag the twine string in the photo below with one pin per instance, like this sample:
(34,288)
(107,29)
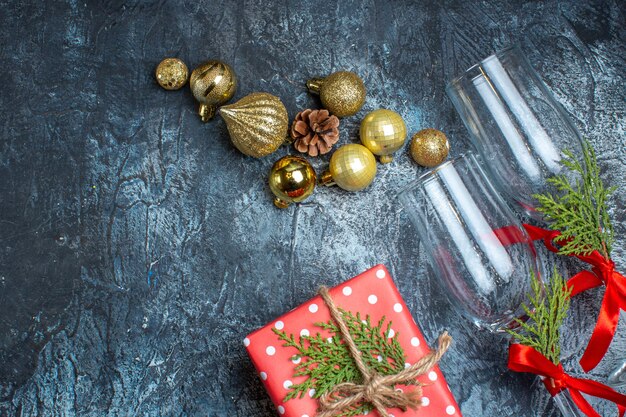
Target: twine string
(378,390)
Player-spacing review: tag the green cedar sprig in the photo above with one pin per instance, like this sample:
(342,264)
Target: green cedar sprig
(326,362)
(547,310)
(579,211)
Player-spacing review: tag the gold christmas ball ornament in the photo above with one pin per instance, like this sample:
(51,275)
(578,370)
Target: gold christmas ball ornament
(429,147)
(212,83)
(352,167)
(292,180)
(257,124)
(383,132)
(171,73)
(342,93)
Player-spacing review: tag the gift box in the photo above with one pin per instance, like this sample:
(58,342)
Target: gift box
(372,293)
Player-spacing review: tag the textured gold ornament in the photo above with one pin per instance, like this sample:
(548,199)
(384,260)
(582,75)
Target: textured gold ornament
(212,83)
(257,123)
(383,132)
(352,167)
(342,93)
(429,147)
(292,180)
(171,73)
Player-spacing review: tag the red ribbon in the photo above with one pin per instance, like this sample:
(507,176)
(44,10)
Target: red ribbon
(603,273)
(526,359)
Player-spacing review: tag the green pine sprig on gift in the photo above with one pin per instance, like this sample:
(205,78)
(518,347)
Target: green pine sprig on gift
(547,311)
(579,211)
(326,361)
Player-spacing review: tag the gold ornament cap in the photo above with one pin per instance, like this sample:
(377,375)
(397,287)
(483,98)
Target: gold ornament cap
(171,73)
(292,180)
(383,132)
(429,147)
(352,167)
(342,93)
(257,124)
(212,83)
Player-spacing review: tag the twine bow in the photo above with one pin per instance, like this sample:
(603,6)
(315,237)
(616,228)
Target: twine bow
(378,390)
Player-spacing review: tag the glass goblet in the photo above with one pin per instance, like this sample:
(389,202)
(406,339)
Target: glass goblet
(618,376)
(515,123)
(476,246)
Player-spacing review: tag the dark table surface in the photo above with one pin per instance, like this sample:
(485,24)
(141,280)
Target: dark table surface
(138,247)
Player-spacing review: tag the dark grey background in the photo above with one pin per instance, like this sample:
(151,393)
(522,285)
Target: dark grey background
(138,247)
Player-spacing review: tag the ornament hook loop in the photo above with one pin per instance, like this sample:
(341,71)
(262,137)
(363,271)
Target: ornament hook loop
(315,85)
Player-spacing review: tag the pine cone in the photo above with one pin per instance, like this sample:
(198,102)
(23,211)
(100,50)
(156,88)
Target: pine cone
(315,131)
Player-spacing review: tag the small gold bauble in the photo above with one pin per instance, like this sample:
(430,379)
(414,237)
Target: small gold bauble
(171,73)
(383,132)
(429,147)
(342,93)
(352,167)
(212,83)
(292,180)
(257,123)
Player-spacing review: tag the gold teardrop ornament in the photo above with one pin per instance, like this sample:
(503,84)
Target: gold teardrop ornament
(292,180)
(257,124)
(212,83)
(383,132)
(352,167)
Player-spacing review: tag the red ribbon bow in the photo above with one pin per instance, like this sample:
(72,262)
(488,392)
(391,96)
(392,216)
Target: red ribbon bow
(526,359)
(614,296)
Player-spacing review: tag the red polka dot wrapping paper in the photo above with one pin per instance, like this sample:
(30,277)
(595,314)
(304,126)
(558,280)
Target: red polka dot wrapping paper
(371,293)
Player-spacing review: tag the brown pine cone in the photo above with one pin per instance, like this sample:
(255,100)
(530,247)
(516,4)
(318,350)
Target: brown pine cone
(315,131)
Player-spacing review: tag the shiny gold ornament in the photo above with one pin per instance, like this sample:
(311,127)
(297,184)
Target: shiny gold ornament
(171,73)
(383,132)
(352,167)
(429,147)
(212,84)
(257,123)
(342,93)
(292,180)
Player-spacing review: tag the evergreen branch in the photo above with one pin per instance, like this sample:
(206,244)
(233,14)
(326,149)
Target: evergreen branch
(579,211)
(327,362)
(546,310)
